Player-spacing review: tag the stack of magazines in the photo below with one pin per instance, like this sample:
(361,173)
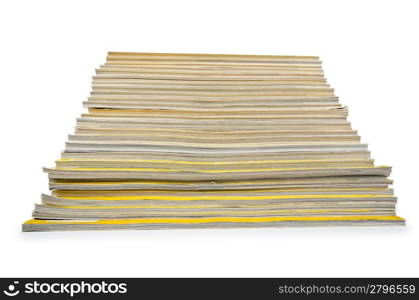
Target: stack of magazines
(218,141)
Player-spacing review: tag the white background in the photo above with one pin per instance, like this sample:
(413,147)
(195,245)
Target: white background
(48,53)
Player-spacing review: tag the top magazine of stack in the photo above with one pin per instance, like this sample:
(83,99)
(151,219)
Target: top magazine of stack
(174,140)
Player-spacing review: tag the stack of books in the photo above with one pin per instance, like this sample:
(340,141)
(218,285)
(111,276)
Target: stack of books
(208,140)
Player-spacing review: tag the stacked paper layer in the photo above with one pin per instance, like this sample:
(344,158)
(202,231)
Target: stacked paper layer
(188,140)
